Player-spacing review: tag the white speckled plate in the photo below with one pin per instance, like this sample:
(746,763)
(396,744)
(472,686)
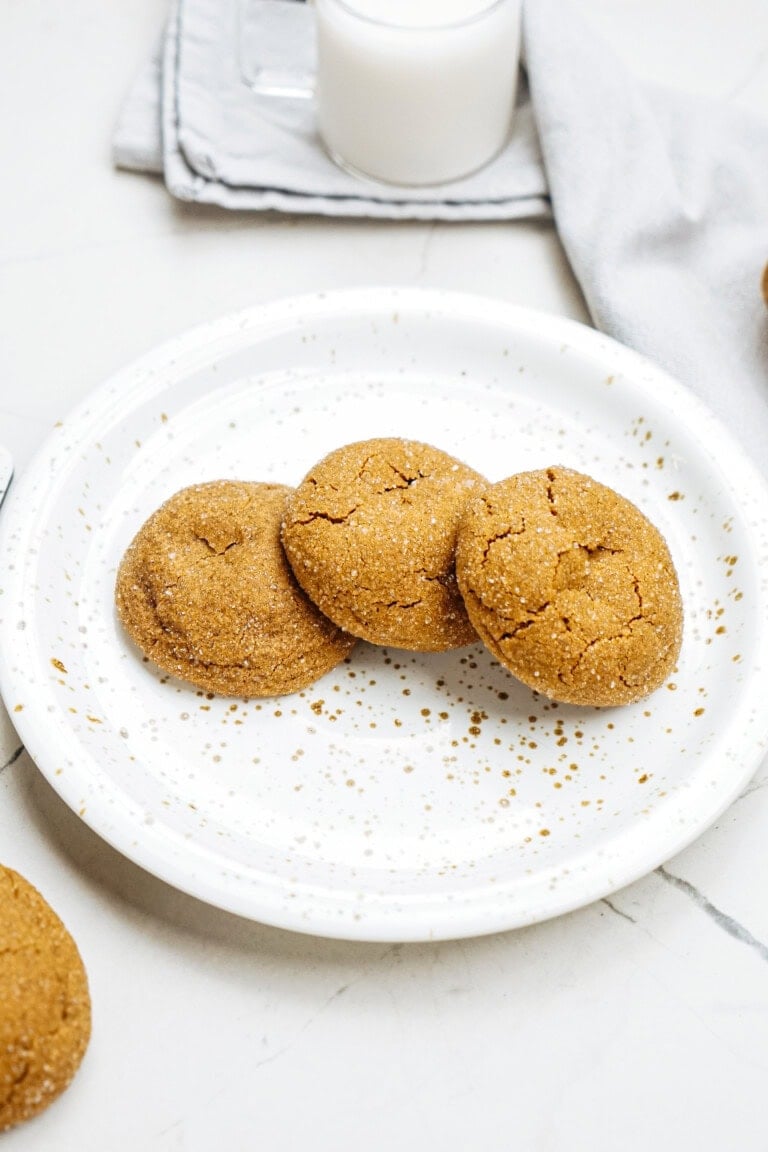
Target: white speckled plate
(404,797)
(6,471)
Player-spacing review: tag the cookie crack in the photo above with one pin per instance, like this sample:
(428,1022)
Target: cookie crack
(503,536)
(215,551)
(624,632)
(327,517)
(551,492)
(601,550)
(638,592)
(407,480)
(532,618)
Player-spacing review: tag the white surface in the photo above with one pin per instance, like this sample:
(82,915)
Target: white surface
(412,102)
(404,796)
(635,1024)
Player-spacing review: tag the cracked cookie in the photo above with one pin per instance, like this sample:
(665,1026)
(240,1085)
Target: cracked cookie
(370,533)
(571,587)
(206,592)
(45,1007)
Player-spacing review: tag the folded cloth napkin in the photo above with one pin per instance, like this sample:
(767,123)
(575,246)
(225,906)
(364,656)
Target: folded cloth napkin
(661,201)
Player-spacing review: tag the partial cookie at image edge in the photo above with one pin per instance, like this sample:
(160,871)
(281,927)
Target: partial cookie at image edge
(45,1005)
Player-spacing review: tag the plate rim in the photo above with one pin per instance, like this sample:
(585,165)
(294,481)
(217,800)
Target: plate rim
(245,326)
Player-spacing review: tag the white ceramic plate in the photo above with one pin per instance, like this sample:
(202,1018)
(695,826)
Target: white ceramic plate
(405,796)
(6,471)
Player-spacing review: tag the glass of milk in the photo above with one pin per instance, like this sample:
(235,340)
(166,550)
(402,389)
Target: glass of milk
(416,92)
(408,92)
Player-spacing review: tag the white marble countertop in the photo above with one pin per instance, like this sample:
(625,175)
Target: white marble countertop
(638,1022)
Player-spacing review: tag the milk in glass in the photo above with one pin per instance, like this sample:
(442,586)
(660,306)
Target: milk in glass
(416,91)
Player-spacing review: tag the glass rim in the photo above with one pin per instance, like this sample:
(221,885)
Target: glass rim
(397,26)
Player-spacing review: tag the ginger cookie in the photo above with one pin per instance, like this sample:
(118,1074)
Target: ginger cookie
(206,593)
(370,533)
(571,587)
(45,1007)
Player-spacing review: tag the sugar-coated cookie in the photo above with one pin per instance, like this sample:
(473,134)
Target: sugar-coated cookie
(370,533)
(206,592)
(571,587)
(45,1007)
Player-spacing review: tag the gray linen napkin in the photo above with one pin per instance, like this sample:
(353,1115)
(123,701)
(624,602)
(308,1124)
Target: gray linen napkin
(661,201)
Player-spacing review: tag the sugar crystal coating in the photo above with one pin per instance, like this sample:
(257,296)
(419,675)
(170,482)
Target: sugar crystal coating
(45,1006)
(206,592)
(370,534)
(571,587)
